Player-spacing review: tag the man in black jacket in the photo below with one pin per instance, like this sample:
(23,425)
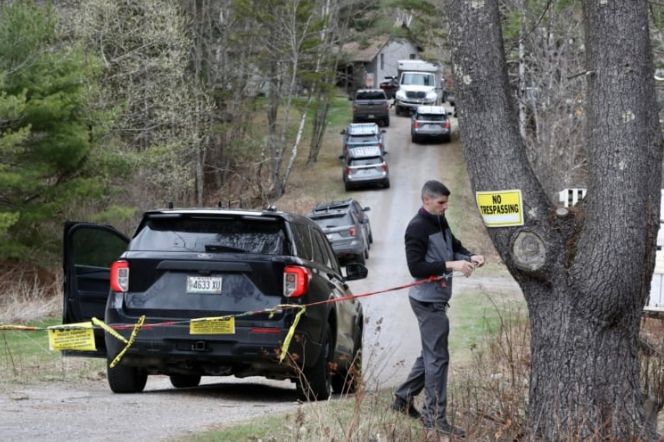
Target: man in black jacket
(432,250)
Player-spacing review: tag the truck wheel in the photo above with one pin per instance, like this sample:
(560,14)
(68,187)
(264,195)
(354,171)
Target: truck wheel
(315,382)
(125,379)
(184,380)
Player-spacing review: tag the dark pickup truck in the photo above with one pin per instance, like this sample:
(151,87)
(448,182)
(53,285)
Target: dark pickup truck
(371,105)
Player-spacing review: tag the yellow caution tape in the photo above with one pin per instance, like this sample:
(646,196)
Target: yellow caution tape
(221,325)
(291,331)
(79,336)
(20,328)
(107,328)
(132,338)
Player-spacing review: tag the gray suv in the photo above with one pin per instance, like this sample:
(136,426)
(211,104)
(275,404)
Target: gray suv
(346,233)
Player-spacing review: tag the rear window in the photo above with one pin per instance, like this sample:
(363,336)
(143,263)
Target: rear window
(333,220)
(374,161)
(431,117)
(361,138)
(373,95)
(213,235)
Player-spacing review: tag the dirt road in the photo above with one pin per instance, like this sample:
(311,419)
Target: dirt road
(67,411)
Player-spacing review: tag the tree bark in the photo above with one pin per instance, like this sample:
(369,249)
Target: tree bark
(585,296)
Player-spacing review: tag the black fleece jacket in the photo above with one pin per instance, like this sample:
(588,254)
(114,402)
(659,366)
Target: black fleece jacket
(423,249)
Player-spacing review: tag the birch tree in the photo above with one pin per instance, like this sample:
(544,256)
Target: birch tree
(585,273)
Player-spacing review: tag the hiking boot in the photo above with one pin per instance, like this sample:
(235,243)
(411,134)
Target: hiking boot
(450,430)
(407,408)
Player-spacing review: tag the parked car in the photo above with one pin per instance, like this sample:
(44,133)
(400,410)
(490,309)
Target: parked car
(345,232)
(365,166)
(390,85)
(203,263)
(371,105)
(362,135)
(430,122)
(353,206)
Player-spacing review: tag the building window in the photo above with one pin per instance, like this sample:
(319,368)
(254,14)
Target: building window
(382,62)
(412,56)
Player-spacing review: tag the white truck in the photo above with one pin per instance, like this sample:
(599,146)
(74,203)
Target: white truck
(420,83)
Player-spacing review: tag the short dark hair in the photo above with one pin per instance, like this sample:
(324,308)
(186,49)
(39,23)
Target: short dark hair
(434,188)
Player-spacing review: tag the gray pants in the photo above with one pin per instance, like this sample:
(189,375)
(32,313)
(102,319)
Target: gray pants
(429,371)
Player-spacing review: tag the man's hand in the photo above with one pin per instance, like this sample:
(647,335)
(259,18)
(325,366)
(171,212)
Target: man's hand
(464,267)
(478,260)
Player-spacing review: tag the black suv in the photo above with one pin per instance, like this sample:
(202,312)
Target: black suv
(206,263)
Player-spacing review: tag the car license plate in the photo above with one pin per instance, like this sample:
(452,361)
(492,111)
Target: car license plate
(372,116)
(204,284)
(333,236)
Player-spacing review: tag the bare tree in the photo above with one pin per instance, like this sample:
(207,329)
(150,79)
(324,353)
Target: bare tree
(585,274)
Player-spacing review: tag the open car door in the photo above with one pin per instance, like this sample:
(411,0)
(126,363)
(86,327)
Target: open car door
(89,251)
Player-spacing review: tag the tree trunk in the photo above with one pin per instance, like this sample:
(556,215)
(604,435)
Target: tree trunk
(585,276)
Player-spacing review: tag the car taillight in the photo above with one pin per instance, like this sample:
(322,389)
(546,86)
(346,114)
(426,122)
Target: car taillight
(387,107)
(416,124)
(446,124)
(348,171)
(296,281)
(120,276)
(352,231)
(384,167)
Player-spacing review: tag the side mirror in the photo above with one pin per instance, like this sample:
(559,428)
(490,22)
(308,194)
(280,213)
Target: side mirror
(383,131)
(343,132)
(350,98)
(341,157)
(356,271)
(366,209)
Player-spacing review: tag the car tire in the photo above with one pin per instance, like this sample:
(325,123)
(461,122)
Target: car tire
(447,138)
(185,380)
(386,122)
(366,253)
(348,187)
(126,379)
(413,139)
(387,183)
(349,380)
(370,237)
(315,382)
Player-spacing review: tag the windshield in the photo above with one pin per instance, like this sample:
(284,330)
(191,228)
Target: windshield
(417,79)
(212,235)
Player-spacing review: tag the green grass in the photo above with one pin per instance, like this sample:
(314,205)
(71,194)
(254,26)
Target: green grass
(477,317)
(263,429)
(25,357)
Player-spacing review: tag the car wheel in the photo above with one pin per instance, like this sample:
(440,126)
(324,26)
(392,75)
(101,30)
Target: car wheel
(413,139)
(347,187)
(360,259)
(370,237)
(387,183)
(447,138)
(184,380)
(349,380)
(366,253)
(125,379)
(386,122)
(315,382)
